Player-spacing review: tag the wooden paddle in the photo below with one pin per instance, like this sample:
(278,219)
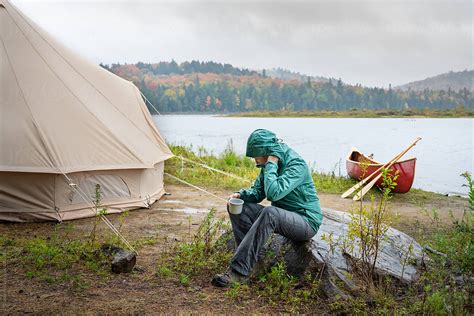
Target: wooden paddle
(363,181)
(366,189)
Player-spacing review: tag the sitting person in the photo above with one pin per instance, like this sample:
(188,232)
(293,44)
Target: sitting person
(285,180)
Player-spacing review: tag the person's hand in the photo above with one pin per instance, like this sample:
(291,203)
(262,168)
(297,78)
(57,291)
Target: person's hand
(235,195)
(273,159)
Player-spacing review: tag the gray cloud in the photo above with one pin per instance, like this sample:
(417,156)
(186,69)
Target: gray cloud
(370,42)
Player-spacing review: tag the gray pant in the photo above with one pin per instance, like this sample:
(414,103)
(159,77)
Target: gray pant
(255,225)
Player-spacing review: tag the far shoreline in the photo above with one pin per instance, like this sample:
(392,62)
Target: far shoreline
(414,114)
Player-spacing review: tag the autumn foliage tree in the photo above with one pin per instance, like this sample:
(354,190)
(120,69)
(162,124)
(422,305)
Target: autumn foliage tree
(213,87)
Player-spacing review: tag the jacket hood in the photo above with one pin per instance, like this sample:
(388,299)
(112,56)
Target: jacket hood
(263,142)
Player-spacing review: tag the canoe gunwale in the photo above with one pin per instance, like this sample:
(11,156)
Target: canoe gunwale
(374,162)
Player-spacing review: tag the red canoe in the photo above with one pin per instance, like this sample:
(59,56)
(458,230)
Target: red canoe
(406,169)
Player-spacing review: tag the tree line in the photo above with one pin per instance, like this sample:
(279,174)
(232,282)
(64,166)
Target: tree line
(198,92)
(195,66)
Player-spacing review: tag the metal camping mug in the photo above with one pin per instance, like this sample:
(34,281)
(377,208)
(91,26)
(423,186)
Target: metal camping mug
(235,206)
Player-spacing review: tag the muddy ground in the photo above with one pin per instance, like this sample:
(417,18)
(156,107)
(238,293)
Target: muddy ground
(170,220)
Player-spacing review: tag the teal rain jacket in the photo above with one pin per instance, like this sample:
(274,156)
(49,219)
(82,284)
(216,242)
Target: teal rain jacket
(288,184)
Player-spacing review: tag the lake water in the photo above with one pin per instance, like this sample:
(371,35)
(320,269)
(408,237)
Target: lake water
(445,151)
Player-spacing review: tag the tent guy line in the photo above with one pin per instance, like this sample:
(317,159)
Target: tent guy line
(195,187)
(73,186)
(67,116)
(195,162)
(107,222)
(213,169)
(146,99)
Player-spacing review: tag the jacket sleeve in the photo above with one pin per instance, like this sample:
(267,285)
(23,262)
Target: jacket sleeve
(277,187)
(256,193)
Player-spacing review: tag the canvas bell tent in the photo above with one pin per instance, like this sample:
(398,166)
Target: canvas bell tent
(67,125)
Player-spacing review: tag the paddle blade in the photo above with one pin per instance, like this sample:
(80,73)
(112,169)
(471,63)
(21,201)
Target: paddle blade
(366,189)
(353,189)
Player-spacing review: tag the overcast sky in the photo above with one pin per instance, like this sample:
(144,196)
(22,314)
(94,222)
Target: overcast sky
(369,42)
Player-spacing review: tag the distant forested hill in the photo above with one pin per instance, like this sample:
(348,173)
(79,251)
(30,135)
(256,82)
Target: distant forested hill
(449,81)
(195,66)
(213,87)
(279,73)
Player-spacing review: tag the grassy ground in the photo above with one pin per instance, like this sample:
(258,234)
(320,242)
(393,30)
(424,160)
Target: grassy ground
(55,269)
(364,113)
(59,268)
(50,268)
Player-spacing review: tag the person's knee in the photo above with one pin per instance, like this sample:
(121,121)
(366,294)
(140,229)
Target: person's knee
(250,208)
(268,216)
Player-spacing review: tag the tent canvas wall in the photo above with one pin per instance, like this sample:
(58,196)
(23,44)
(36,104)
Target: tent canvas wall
(62,116)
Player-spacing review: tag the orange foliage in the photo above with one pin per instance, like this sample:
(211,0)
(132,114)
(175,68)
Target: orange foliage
(133,73)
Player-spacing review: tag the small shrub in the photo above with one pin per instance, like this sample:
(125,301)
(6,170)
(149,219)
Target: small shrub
(203,256)
(237,290)
(277,282)
(165,272)
(184,279)
(99,211)
(277,287)
(367,229)
(470,185)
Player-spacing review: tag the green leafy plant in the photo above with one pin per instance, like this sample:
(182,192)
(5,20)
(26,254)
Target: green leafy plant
(470,185)
(444,284)
(184,279)
(367,229)
(276,286)
(237,290)
(204,255)
(100,211)
(52,258)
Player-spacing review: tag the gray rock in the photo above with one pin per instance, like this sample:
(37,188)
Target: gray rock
(123,260)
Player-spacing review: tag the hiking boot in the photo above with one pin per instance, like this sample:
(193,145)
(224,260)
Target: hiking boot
(227,278)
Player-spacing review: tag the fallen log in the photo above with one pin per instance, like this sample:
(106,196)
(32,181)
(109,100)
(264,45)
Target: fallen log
(399,257)
(393,254)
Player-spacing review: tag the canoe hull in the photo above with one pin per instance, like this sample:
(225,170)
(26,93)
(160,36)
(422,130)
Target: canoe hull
(406,169)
